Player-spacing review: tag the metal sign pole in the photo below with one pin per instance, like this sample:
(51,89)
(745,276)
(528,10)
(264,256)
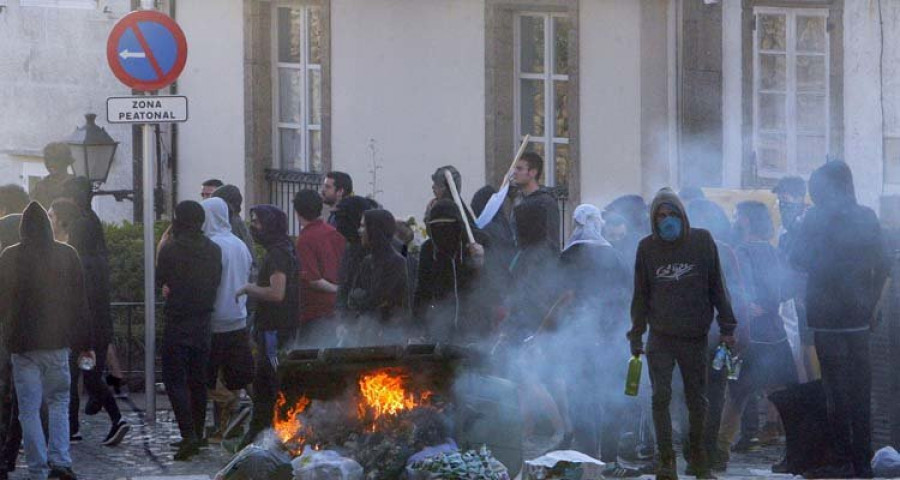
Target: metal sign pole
(149,279)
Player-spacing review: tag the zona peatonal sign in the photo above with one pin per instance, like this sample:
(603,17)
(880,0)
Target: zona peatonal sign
(146,50)
(147,109)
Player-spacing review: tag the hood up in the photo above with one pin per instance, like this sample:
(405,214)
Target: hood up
(668,196)
(349,213)
(831,186)
(274,231)
(588,221)
(380,227)
(217,218)
(232,196)
(35,229)
(189,217)
(445,227)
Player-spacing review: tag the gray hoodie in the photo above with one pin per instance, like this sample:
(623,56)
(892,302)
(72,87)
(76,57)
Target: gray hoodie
(678,285)
(229,315)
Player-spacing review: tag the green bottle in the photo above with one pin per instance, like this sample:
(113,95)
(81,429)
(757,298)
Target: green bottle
(633,382)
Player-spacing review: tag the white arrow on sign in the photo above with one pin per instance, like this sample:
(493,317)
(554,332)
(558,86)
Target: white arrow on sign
(125,54)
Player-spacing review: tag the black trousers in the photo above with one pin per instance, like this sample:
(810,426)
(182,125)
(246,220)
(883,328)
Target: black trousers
(847,379)
(265,385)
(97,390)
(690,354)
(184,374)
(715,393)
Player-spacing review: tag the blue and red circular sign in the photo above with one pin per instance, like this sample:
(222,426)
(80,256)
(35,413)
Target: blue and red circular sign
(146,50)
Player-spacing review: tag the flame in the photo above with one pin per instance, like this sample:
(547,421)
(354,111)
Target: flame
(384,393)
(288,425)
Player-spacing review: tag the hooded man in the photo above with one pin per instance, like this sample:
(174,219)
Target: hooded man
(678,286)
(85,232)
(45,313)
(189,270)
(229,356)
(380,285)
(57,159)
(276,293)
(839,247)
(233,198)
(449,269)
(347,217)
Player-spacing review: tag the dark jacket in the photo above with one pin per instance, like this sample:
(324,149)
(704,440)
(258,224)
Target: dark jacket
(87,237)
(380,285)
(839,245)
(600,282)
(191,266)
(347,215)
(764,286)
(42,296)
(547,201)
(9,230)
(678,285)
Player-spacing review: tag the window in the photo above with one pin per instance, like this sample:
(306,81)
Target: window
(542,92)
(298,53)
(791,120)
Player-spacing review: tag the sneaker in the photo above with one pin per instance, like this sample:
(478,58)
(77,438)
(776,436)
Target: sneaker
(62,473)
(116,433)
(75,438)
(745,445)
(186,451)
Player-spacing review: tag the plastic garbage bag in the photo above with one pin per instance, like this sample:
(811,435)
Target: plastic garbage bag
(325,465)
(563,465)
(886,463)
(455,465)
(257,463)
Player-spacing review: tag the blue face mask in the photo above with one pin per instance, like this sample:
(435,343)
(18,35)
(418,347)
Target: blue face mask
(670,229)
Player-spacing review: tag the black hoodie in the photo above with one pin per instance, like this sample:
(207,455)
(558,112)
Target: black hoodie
(544,198)
(678,285)
(191,266)
(347,215)
(380,285)
(42,296)
(839,246)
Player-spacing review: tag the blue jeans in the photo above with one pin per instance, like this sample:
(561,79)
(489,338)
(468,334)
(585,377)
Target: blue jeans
(43,374)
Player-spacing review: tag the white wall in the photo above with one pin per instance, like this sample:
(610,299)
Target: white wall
(862,104)
(211,142)
(53,70)
(410,75)
(610,101)
(732,94)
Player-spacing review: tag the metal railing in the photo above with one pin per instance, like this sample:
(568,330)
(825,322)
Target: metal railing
(128,338)
(284,184)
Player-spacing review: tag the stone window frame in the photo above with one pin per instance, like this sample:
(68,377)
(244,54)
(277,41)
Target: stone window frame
(500,79)
(750,176)
(259,107)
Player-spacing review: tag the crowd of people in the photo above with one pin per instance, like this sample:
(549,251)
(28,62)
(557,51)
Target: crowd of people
(552,315)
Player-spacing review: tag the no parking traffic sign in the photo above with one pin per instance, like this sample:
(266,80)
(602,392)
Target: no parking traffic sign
(146,50)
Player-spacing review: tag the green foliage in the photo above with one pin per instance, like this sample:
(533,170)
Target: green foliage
(126,259)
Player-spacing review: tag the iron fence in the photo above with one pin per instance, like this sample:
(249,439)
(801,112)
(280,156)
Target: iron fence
(128,339)
(284,184)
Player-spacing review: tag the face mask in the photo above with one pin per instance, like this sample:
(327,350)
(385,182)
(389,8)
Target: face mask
(670,229)
(789,213)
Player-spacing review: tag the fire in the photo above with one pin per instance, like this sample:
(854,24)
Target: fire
(288,425)
(384,392)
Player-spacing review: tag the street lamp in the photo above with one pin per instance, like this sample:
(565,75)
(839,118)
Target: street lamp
(94,151)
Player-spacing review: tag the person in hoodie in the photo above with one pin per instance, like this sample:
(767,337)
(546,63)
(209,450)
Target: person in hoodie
(597,276)
(526,177)
(839,246)
(633,209)
(277,296)
(678,286)
(44,312)
(230,357)
(441,189)
(768,362)
(347,216)
(189,271)
(498,230)
(233,198)
(449,270)
(84,232)
(379,288)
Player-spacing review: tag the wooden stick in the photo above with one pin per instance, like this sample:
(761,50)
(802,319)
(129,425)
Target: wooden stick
(462,211)
(515,159)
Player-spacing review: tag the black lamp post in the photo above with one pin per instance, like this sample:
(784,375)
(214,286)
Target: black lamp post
(94,151)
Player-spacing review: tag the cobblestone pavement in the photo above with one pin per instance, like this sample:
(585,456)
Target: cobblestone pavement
(146,455)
